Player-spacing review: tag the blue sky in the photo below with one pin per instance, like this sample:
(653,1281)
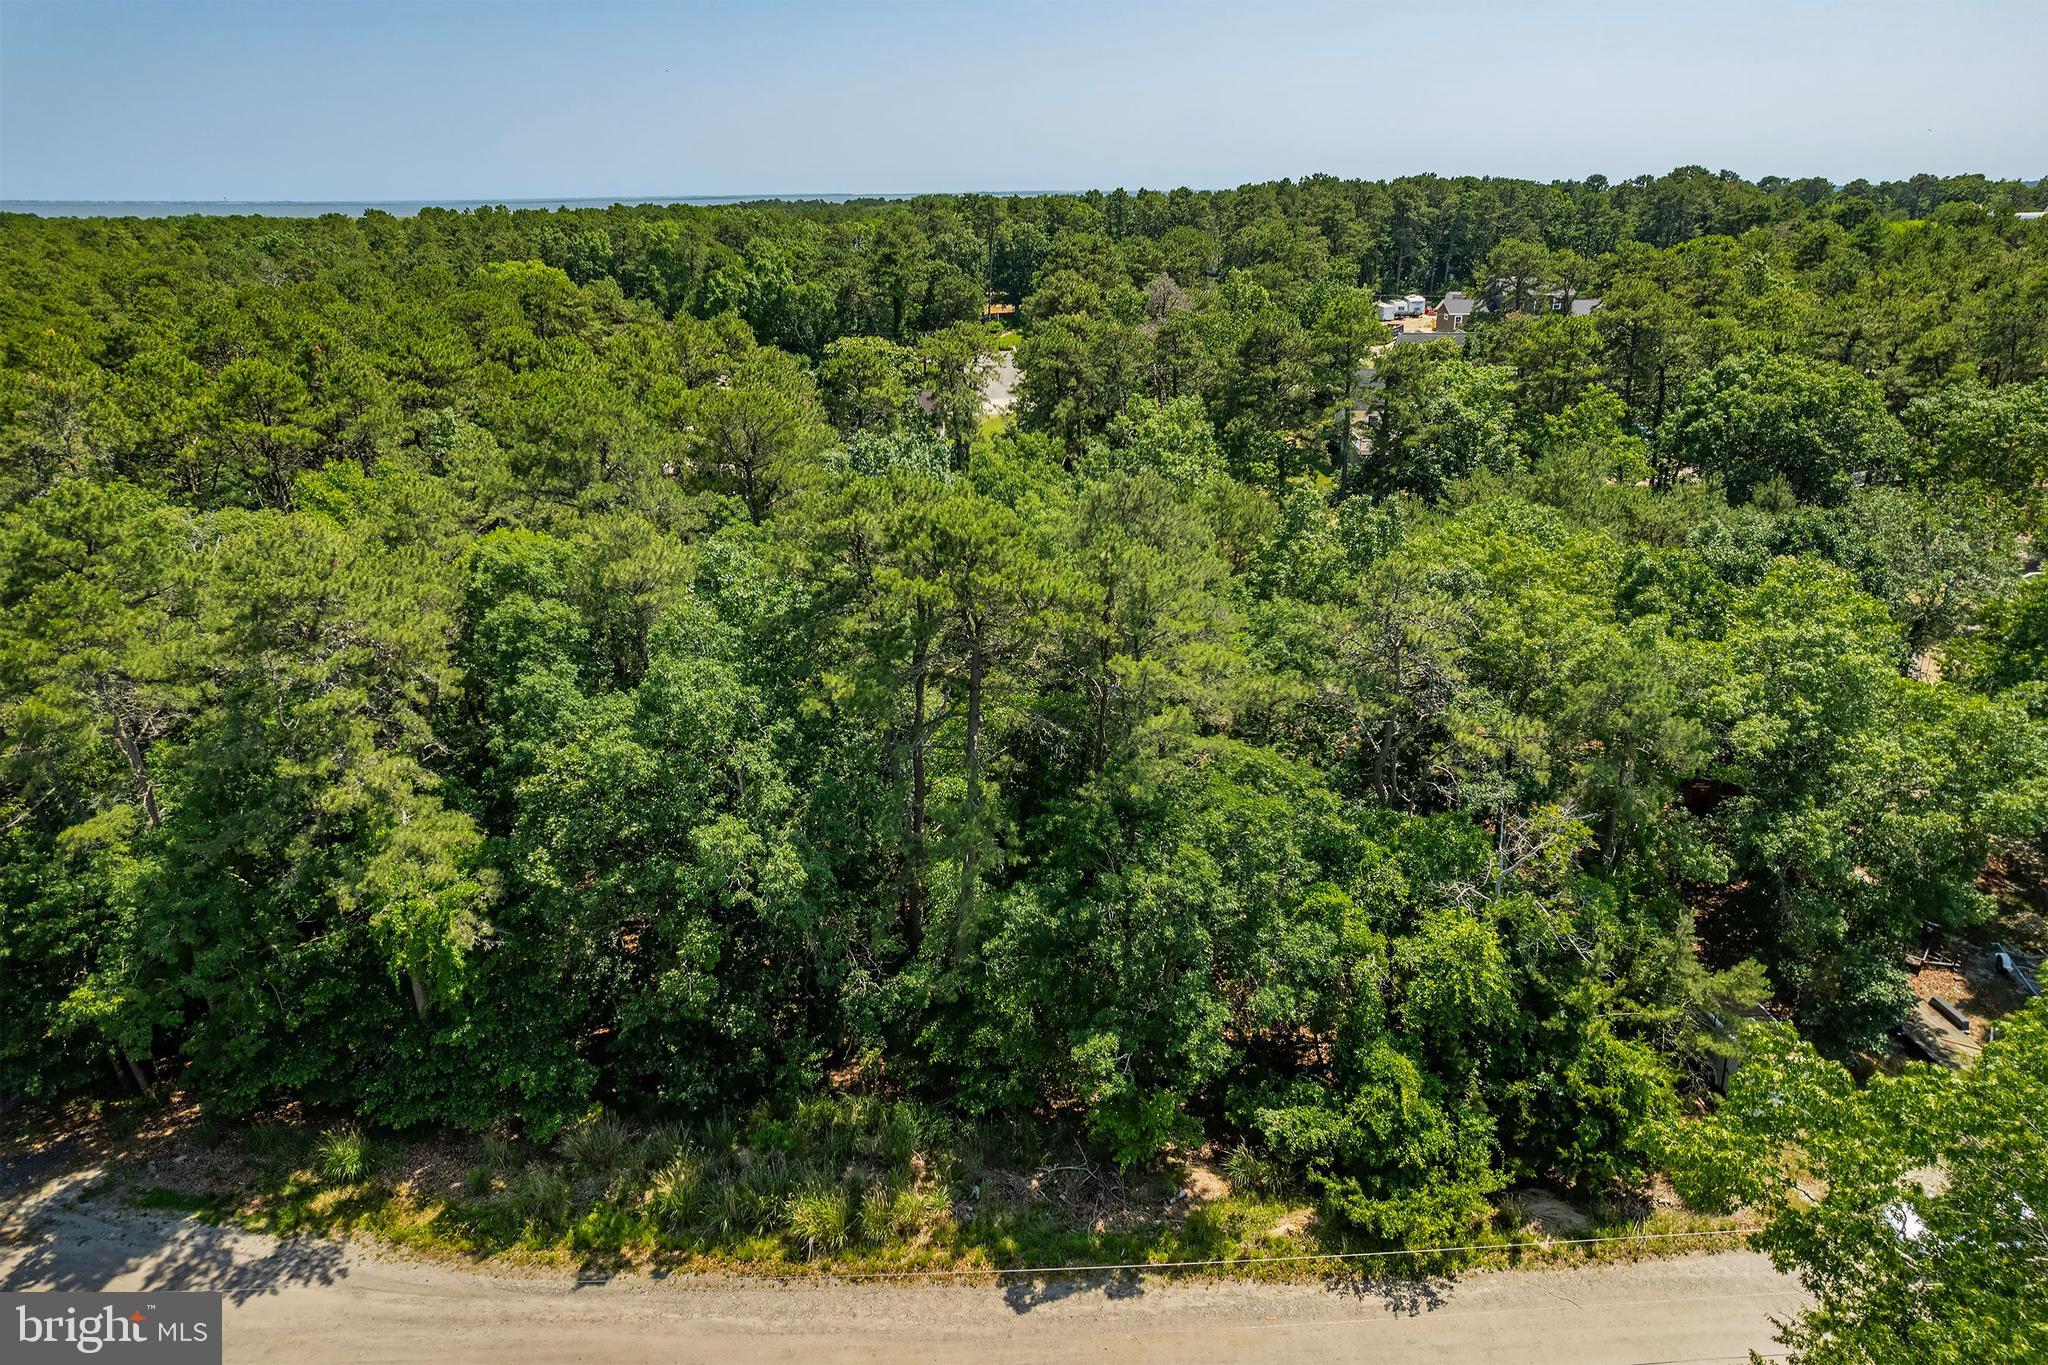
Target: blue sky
(298,100)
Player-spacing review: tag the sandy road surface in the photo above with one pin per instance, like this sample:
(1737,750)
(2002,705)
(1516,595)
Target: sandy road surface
(315,1301)
(999,385)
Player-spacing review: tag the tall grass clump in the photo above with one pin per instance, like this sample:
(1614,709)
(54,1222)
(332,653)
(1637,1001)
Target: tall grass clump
(500,1153)
(1250,1173)
(821,1218)
(678,1198)
(270,1143)
(661,1142)
(899,1131)
(539,1202)
(598,1147)
(888,1215)
(342,1156)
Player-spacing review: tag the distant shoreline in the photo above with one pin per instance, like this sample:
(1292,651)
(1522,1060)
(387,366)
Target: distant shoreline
(406,208)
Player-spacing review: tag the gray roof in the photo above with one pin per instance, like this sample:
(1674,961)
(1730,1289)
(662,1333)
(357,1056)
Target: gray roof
(1581,307)
(1457,305)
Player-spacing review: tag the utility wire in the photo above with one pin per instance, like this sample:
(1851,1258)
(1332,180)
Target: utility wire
(1243,1260)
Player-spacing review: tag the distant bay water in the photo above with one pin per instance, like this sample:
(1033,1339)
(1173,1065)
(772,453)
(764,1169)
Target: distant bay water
(400,208)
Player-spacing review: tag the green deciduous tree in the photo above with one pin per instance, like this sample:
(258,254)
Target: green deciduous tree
(1760,417)
(1911,1210)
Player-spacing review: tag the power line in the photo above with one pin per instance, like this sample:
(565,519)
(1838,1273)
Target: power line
(1245,1260)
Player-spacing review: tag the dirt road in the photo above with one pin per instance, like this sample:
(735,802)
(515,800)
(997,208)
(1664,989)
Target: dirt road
(999,385)
(315,1301)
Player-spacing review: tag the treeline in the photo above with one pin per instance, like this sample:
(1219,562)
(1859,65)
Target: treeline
(462,669)
(803,275)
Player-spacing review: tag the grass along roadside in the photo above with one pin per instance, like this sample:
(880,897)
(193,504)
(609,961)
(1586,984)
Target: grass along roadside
(836,1186)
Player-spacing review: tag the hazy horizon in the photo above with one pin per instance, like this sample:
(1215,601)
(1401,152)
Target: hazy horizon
(376,103)
(413,204)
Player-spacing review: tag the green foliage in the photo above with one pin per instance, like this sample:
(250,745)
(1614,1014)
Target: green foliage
(1434,419)
(1457,978)
(597,1147)
(1398,1156)
(677,1196)
(1989,439)
(1910,1209)
(455,670)
(2010,652)
(822,1220)
(1756,418)
(539,1202)
(1862,811)
(1171,439)
(342,1156)
(865,384)
(1249,1172)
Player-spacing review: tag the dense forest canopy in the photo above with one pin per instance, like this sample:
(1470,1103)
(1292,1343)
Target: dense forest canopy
(465,668)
